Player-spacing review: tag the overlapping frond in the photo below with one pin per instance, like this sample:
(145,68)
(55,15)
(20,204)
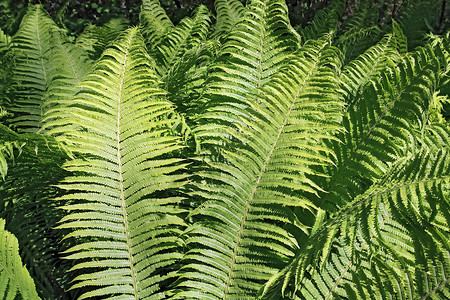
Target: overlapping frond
(70,65)
(379,125)
(418,18)
(95,39)
(258,47)
(31,45)
(154,22)
(121,202)
(188,34)
(33,163)
(5,42)
(372,63)
(14,277)
(401,221)
(267,144)
(228,14)
(325,21)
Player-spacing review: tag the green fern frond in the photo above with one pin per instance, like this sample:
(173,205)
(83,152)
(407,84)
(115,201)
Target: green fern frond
(94,39)
(324,22)
(31,45)
(188,34)
(417,19)
(70,64)
(228,13)
(369,65)
(238,240)
(412,194)
(33,171)
(380,123)
(260,45)
(121,201)
(5,42)
(14,277)
(154,22)
(360,30)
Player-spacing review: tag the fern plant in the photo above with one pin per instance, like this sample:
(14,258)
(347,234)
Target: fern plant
(229,156)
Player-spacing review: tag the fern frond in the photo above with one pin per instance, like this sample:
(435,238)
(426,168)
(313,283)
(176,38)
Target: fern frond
(154,22)
(258,47)
(31,45)
(14,276)
(369,65)
(186,35)
(412,194)
(324,22)
(33,171)
(228,14)
(70,64)
(267,145)
(380,123)
(94,39)
(5,42)
(417,19)
(121,202)
(360,31)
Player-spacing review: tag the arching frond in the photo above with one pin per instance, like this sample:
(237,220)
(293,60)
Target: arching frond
(258,47)
(121,201)
(5,42)
(417,18)
(325,21)
(94,39)
(31,45)
(186,35)
(237,240)
(70,65)
(379,125)
(154,22)
(33,171)
(369,65)
(228,14)
(14,277)
(360,30)
(401,221)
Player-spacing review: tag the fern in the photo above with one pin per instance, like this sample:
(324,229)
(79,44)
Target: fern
(14,276)
(94,39)
(371,64)
(127,228)
(402,195)
(186,35)
(229,13)
(31,44)
(324,21)
(155,23)
(70,65)
(227,156)
(255,128)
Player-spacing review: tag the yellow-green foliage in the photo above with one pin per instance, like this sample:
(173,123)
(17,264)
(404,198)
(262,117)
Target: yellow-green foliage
(227,157)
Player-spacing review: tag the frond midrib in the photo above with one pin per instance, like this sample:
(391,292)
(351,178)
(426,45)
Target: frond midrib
(261,173)
(120,177)
(41,55)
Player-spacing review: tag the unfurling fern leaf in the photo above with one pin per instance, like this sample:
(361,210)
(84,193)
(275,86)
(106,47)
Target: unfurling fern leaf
(126,227)
(14,277)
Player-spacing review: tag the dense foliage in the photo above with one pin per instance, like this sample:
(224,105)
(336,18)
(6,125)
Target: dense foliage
(228,155)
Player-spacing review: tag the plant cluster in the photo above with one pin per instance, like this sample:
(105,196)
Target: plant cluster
(230,156)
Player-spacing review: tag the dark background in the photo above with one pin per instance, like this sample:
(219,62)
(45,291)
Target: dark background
(74,15)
